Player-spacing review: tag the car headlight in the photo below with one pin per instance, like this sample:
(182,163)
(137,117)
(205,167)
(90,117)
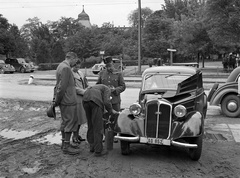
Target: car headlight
(135,109)
(180,111)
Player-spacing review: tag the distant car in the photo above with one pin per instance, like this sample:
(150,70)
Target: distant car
(32,67)
(98,67)
(170,111)
(228,95)
(117,63)
(6,68)
(19,64)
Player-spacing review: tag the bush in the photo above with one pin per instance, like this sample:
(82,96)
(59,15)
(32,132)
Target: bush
(48,66)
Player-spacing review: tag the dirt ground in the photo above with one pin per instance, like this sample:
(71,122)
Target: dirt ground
(26,157)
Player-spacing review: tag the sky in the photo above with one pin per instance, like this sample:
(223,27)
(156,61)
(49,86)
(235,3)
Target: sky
(100,11)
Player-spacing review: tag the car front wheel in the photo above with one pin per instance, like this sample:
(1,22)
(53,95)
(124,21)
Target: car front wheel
(231,106)
(2,71)
(95,72)
(22,70)
(195,153)
(125,147)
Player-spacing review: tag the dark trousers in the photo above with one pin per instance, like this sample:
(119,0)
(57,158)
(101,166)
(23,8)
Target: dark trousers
(95,125)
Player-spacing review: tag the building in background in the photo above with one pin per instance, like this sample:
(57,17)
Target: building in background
(84,19)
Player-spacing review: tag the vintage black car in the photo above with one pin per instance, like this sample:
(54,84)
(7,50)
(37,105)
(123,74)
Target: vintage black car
(170,111)
(19,64)
(6,68)
(227,95)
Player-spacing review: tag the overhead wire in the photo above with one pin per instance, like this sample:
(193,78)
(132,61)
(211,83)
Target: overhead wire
(18,4)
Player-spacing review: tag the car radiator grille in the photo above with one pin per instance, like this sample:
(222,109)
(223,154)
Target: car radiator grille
(158,118)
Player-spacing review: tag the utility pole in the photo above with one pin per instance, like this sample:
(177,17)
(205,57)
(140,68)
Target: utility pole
(139,37)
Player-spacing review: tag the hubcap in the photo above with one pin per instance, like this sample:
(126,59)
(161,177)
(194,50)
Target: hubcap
(232,106)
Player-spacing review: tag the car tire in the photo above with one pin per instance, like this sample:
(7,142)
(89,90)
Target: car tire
(95,72)
(235,100)
(22,70)
(213,89)
(195,153)
(2,71)
(125,147)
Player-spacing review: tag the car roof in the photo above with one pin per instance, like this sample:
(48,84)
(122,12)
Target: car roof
(234,74)
(171,69)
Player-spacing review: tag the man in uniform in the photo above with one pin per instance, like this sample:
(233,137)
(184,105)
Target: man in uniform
(114,80)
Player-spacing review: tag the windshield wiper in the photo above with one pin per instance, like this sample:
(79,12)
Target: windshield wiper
(151,75)
(172,75)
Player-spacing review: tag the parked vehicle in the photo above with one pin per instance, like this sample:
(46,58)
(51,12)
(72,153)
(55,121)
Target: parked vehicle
(32,67)
(170,111)
(98,67)
(116,62)
(227,95)
(6,68)
(19,64)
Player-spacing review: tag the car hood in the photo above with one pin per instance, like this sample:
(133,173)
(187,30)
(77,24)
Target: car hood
(6,65)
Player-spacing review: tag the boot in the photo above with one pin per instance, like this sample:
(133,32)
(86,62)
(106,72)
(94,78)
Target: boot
(73,146)
(67,149)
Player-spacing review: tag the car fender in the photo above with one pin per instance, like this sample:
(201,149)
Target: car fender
(129,124)
(222,91)
(192,126)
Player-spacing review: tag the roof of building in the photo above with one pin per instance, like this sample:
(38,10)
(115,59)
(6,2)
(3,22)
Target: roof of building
(83,15)
(84,19)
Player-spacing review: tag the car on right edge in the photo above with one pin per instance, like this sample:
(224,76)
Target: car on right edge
(227,95)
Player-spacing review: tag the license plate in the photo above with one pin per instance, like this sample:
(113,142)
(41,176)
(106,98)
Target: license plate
(156,141)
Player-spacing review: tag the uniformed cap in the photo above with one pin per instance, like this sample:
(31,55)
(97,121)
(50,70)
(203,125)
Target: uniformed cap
(107,60)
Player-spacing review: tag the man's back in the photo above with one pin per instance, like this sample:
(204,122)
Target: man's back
(99,94)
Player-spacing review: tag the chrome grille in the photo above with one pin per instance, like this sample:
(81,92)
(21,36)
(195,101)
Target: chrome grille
(158,119)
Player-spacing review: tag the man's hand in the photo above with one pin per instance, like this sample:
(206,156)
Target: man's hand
(114,112)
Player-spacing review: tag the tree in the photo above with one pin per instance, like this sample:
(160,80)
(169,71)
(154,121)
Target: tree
(223,19)
(20,46)
(82,43)
(157,35)
(133,16)
(6,39)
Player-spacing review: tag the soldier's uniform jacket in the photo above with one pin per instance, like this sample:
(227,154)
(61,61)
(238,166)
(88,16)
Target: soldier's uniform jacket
(113,79)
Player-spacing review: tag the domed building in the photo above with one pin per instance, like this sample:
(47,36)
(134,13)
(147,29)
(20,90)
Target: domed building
(84,19)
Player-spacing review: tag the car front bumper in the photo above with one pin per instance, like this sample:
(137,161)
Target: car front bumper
(165,142)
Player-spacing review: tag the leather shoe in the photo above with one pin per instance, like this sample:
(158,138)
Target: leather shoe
(104,152)
(81,139)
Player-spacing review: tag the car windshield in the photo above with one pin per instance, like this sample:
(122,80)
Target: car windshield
(164,81)
(2,62)
(21,60)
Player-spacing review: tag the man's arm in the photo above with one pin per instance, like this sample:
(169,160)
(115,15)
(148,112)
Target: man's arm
(80,91)
(99,80)
(62,86)
(106,98)
(121,85)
